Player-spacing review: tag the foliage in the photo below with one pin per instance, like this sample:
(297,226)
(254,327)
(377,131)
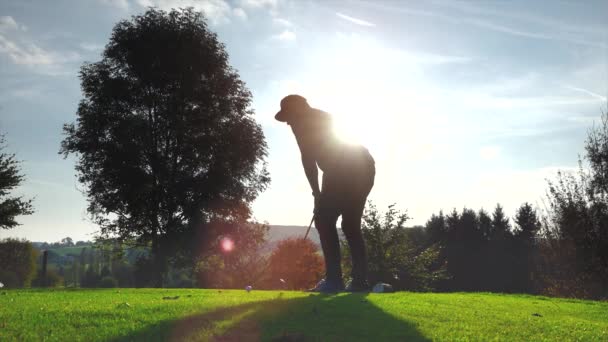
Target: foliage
(18,262)
(575,228)
(297,262)
(11,178)
(527,223)
(235,315)
(165,137)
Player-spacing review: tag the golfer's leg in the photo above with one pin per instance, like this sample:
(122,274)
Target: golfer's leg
(326,225)
(351,225)
(325,221)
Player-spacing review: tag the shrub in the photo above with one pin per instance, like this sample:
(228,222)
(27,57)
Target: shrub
(297,262)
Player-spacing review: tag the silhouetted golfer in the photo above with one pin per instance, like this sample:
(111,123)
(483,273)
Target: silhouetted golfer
(348,177)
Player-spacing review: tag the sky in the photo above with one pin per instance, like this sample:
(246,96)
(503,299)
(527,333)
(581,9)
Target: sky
(462,104)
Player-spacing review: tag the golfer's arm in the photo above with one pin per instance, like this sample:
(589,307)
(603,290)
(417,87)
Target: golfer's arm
(310,168)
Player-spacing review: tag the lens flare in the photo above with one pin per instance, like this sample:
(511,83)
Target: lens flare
(227,244)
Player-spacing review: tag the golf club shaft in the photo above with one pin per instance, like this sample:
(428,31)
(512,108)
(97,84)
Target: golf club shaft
(310,225)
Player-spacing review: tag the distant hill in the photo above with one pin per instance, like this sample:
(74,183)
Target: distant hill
(65,251)
(276,233)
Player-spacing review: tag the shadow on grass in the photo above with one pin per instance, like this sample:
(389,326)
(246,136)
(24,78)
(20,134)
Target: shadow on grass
(347,317)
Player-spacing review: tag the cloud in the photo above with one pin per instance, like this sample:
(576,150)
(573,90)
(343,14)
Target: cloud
(282,22)
(8,23)
(286,35)
(259,3)
(271,5)
(564,32)
(355,20)
(122,4)
(25,55)
(588,92)
(20,51)
(239,13)
(91,47)
(218,11)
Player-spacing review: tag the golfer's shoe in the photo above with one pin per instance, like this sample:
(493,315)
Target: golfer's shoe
(357,286)
(324,286)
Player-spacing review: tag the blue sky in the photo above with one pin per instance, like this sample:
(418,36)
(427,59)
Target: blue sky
(461,103)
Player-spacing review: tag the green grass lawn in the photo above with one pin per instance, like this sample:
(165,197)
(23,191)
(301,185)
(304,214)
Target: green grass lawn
(233,315)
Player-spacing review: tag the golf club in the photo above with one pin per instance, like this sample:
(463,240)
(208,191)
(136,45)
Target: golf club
(310,225)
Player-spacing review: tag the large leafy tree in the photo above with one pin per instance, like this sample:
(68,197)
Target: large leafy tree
(10,178)
(165,137)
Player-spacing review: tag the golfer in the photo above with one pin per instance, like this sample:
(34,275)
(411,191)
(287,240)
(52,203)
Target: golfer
(348,177)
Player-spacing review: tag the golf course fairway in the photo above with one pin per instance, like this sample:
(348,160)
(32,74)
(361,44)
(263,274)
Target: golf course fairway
(236,315)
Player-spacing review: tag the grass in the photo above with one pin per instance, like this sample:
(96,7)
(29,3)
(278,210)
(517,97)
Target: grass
(143,314)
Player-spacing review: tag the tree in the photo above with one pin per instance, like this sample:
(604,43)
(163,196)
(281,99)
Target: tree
(11,178)
(527,223)
(485,224)
(297,262)
(464,250)
(436,228)
(18,262)
(67,242)
(501,228)
(165,135)
(527,226)
(576,225)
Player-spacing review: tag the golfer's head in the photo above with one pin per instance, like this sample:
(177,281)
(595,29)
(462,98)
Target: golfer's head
(291,107)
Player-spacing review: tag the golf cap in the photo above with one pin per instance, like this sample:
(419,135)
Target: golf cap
(290,105)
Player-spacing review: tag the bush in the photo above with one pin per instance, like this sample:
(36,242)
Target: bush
(108,282)
(297,262)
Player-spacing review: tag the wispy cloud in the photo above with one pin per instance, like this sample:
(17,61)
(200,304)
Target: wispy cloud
(588,92)
(8,23)
(286,35)
(239,13)
(355,20)
(259,3)
(21,51)
(91,47)
(282,22)
(25,55)
(122,4)
(478,17)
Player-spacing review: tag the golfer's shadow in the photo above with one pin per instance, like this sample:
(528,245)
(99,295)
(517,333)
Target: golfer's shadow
(345,317)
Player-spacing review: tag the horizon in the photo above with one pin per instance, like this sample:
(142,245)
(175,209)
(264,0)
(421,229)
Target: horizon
(462,104)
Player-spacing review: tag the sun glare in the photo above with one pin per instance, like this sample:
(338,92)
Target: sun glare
(227,244)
